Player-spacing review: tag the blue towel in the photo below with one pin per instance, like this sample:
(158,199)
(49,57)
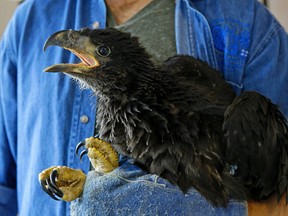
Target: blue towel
(130,191)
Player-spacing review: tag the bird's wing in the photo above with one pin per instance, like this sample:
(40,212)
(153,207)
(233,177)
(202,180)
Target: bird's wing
(256,136)
(190,72)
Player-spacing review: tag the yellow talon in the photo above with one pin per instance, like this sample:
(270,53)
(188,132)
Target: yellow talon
(69,182)
(102,155)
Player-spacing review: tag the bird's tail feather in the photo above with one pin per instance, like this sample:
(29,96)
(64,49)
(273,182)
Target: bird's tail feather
(236,190)
(283,176)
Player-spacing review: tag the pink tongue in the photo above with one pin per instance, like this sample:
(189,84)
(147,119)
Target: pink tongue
(85,59)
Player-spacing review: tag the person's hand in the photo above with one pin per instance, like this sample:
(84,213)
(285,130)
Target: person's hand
(269,207)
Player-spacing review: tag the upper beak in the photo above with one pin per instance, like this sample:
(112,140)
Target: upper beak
(80,45)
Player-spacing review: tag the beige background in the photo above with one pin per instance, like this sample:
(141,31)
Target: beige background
(7,8)
(278,7)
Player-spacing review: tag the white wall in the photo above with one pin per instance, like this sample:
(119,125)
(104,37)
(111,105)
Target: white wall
(278,7)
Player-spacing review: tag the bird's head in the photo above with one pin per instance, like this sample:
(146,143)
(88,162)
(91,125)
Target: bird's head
(111,61)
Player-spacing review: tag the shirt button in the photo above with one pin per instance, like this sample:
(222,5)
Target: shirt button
(84,119)
(95,24)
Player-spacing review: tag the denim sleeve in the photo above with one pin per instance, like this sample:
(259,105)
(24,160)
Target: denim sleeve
(8,128)
(267,66)
(130,191)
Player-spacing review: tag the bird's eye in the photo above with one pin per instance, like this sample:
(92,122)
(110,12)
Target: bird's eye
(103,51)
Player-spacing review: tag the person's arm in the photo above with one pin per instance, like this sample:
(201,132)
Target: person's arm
(8,128)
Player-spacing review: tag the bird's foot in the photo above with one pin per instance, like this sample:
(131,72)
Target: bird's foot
(103,157)
(62,183)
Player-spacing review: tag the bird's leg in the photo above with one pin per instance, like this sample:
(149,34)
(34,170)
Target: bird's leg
(61,182)
(103,157)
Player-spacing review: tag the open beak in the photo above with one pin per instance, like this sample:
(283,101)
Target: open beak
(78,44)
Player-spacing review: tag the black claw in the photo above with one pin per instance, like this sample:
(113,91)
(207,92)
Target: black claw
(79,145)
(47,189)
(53,176)
(50,187)
(53,197)
(44,186)
(83,153)
(52,184)
(51,191)
(56,191)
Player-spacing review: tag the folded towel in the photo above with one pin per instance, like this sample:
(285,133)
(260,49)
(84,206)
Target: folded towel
(128,190)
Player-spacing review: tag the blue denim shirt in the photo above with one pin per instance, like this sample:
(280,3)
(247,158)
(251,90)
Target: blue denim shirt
(40,113)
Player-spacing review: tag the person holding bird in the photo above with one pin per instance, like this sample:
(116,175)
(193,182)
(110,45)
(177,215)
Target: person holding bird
(44,116)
